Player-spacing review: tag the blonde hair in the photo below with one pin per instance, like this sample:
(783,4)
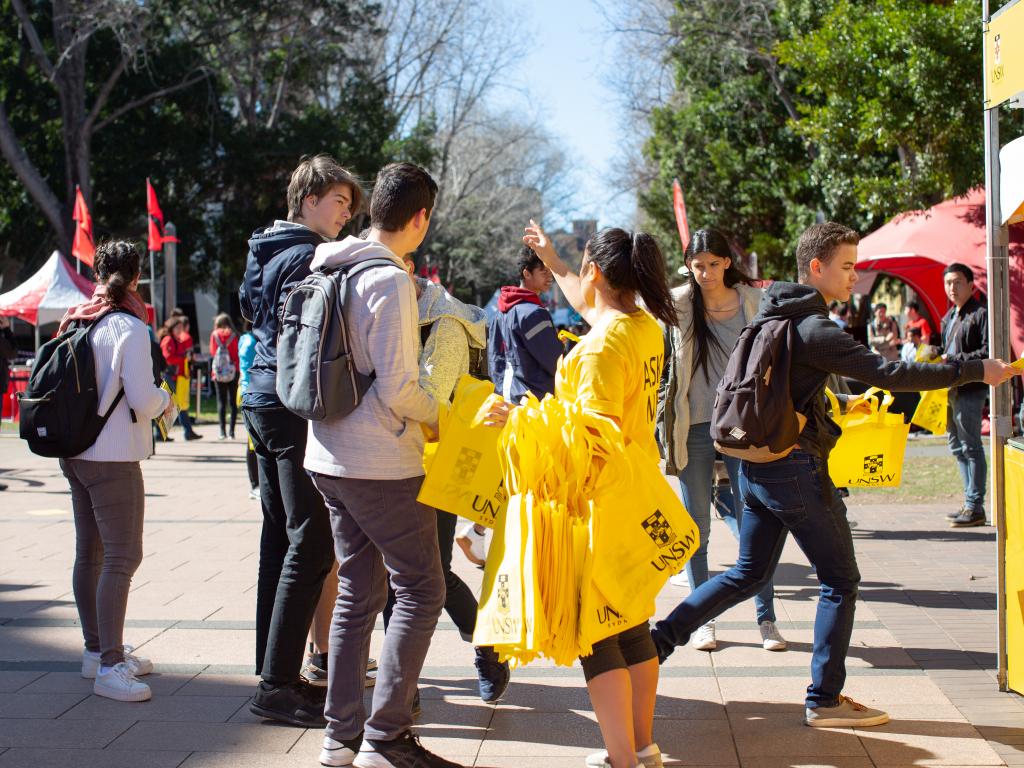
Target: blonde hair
(223,320)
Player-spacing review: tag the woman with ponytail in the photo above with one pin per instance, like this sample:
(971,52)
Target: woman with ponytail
(107,493)
(615,372)
(715,303)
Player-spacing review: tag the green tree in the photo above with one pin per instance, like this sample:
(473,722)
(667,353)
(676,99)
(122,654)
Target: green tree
(727,132)
(787,109)
(893,103)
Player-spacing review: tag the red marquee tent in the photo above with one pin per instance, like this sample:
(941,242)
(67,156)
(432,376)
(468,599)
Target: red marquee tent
(916,246)
(48,294)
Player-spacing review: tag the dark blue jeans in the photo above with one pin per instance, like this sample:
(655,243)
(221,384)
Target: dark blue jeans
(963,417)
(792,495)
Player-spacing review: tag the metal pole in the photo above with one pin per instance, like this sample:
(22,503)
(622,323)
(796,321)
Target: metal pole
(998,263)
(170,269)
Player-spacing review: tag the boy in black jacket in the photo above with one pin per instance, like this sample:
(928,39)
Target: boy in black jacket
(795,495)
(296,546)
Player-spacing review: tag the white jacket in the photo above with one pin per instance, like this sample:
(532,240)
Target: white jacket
(381,439)
(121,351)
(682,347)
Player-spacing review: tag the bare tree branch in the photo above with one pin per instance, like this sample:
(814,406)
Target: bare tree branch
(158,94)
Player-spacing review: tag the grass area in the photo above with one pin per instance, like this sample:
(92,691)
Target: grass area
(925,479)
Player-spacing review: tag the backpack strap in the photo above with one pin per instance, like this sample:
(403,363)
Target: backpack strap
(363,380)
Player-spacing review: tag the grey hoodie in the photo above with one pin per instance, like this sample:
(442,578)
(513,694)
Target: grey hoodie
(454,329)
(381,439)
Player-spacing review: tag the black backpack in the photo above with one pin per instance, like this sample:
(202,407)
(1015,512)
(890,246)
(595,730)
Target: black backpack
(754,418)
(316,377)
(60,415)
(477,357)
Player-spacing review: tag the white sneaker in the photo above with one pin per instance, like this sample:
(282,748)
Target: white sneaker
(473,544)
(118,683)
(771,640)
(846,714)
(679,579)
(138,665)
(254,494)
(336,753)
(649,756)
(704,638)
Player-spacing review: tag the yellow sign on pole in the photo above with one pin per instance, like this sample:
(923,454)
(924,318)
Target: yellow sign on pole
(1004,55)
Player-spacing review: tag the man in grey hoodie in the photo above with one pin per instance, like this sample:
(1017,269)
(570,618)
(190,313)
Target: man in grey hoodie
(368,467)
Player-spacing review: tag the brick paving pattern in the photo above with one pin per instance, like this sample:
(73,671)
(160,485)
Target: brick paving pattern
(923,648)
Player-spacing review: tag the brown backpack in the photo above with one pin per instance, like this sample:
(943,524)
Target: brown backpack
(753,417)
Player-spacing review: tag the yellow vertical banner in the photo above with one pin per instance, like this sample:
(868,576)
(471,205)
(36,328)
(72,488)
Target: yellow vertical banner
(1004,55)
(1014,567)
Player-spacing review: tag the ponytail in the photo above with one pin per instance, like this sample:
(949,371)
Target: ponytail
(633,262)
(652,279)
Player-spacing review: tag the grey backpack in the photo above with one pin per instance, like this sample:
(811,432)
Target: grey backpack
(316,376)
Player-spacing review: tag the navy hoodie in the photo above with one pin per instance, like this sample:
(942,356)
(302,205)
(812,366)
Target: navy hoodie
(522,346)
(279,259)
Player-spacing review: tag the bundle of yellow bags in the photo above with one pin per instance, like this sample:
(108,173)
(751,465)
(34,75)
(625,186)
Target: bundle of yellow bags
(590,532)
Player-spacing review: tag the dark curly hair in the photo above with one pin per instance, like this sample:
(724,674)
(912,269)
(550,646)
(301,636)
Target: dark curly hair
(116,265)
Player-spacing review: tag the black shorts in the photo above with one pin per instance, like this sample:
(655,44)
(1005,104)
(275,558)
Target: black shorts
(629,647)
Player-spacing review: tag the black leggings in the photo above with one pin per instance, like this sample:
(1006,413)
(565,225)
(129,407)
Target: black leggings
(227,393)
(629,647)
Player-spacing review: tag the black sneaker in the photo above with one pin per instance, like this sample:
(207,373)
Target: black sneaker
(956,513)
(193,436)
(968,519)
(403,752)
(291,703)
(492,675)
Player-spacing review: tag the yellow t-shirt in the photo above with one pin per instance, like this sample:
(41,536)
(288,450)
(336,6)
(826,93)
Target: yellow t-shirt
(615,371)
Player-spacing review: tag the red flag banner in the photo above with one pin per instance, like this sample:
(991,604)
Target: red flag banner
(83,246)
(680,208)
(157,238)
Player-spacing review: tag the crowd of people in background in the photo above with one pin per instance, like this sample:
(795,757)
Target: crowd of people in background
(343,536)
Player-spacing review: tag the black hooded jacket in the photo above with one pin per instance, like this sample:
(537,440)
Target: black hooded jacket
(279,259)
(822,348)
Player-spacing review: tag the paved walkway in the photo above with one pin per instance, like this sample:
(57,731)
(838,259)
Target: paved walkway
(923,648)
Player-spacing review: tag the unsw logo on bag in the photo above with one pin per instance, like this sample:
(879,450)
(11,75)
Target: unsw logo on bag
(464,477)
(869,453)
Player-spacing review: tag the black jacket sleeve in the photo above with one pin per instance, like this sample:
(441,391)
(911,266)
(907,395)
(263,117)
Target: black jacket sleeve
(829,349)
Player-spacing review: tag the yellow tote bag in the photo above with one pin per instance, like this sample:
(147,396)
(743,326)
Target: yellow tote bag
(499,619)
(870,451)
(642,534)
(182,393)
(931,410)
(464,477)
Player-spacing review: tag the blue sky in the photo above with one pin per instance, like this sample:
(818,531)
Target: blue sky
(564,72)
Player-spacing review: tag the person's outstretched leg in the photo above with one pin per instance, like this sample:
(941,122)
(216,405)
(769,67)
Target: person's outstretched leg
(761,541)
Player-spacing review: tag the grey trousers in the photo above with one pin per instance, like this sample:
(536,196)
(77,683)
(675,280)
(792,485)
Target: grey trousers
(108,499)
(380,532)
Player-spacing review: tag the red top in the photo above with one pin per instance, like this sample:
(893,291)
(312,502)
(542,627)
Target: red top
(228,338)
(926,330)
(175,351)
